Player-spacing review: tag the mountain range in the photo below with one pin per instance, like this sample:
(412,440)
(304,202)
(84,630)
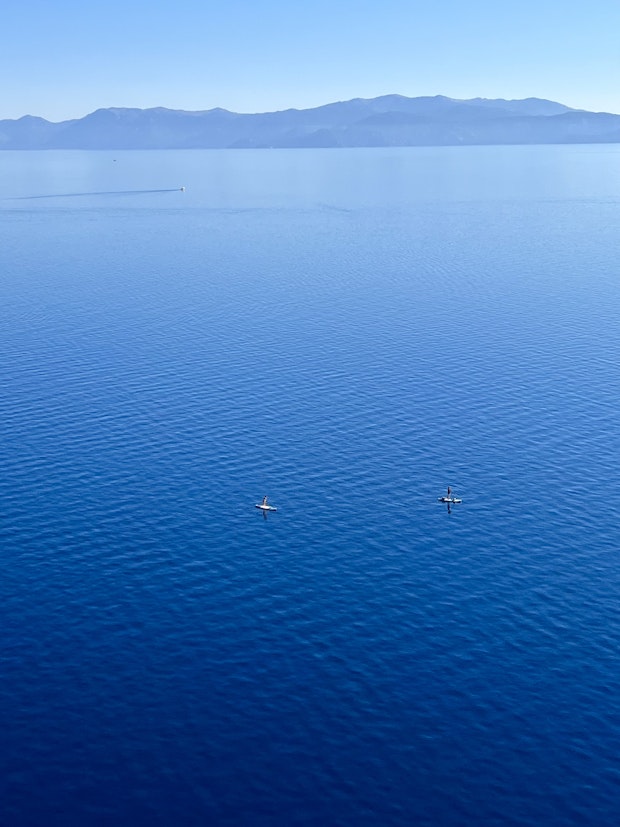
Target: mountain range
(390,120)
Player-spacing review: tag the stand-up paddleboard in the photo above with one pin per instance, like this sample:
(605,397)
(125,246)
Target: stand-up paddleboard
(449,500)
(264,506)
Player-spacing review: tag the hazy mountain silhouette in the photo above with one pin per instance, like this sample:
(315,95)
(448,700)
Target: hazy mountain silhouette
(390,120)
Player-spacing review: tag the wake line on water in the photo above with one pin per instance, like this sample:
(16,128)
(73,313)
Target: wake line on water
(83,194)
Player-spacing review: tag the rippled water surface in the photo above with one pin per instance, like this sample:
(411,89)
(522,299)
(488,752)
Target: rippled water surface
(347,332)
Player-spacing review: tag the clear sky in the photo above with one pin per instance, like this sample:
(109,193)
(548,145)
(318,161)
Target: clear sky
(64,58)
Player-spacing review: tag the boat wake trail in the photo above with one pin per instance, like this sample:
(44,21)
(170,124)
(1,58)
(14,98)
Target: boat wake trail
(83,194)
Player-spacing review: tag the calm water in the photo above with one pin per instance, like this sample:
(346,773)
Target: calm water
(347,332)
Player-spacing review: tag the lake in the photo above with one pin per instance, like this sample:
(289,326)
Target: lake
(348,332)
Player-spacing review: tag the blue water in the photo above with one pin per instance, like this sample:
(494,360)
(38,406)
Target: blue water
(348,332)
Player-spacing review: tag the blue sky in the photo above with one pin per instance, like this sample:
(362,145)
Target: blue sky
(64,59)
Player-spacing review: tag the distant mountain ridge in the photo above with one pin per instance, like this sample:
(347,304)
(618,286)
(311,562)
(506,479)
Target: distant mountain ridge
(389,120)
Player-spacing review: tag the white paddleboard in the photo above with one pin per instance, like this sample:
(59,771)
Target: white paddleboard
(449,500)
(266,507)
